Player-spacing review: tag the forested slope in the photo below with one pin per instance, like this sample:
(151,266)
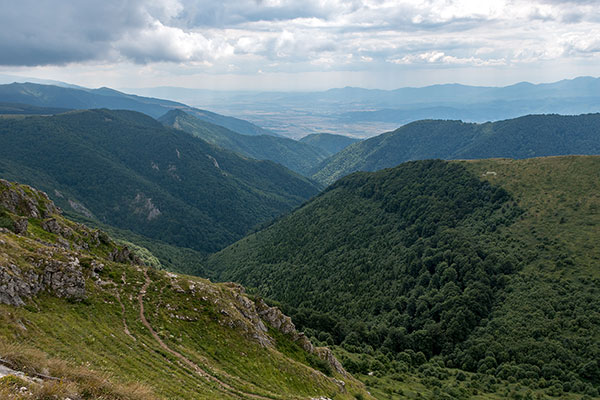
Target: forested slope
(524,137)
(125,169)
(489,267)
(297,156)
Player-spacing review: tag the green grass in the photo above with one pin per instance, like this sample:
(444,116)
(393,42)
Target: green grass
(203,322)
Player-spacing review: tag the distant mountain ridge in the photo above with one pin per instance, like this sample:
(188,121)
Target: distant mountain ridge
(126,169)
(524,137)
(329,142)
(297,156)
(83,98)
(27,109)
(366,112)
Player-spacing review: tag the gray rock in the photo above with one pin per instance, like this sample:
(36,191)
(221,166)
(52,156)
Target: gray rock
(64,279)
(30,204)
(20,225)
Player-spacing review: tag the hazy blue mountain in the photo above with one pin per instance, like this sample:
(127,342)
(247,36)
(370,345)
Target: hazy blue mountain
(524,137)
(329,142)
(126,169)
(297,156)
(367,112)
(6,79)
(82,98)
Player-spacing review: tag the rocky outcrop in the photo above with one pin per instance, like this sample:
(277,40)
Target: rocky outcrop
(53,226)
(260,313)
(25,201)
(325,353)
(20,225)
(275,317)
(16,285)
(62,278)
(125,256)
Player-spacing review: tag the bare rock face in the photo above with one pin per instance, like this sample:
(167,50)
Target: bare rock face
(325,353)
(125,256)
(63,279)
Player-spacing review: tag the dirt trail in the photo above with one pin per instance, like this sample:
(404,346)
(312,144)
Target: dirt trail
(224,386)
(125,327)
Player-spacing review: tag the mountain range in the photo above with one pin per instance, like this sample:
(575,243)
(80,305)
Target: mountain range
(360,112)
(126,169)
(524,137)
(83,98)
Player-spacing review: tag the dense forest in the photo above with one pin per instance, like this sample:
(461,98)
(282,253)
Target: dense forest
(329,142)
(125,169)
(297,156)
(524,137)
(422,262)
(80,98)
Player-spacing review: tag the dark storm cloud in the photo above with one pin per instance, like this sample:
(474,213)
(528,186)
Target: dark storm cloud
(38,32)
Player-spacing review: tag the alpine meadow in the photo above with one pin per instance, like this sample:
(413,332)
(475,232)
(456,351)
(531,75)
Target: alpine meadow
(285,200)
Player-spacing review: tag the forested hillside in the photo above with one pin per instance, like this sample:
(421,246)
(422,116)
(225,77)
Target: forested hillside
(329,142)
(26,109)
(82,98)
(125,169)
(483,266)
(297,156)
(524,137)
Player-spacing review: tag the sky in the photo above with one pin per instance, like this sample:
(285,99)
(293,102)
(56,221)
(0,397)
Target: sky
(299,45)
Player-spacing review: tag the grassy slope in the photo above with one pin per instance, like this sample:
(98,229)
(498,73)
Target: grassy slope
(192,316)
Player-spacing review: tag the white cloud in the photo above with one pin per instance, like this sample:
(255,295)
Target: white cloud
(290,36)
(438,57)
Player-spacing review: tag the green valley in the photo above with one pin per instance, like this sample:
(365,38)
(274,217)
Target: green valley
(125,169)
(297,156)
(329,142)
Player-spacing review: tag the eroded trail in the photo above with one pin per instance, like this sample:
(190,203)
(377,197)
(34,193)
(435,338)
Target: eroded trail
(118,296)
(226,388)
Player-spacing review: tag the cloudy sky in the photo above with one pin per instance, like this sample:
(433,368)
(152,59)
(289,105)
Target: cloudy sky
(299,44)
